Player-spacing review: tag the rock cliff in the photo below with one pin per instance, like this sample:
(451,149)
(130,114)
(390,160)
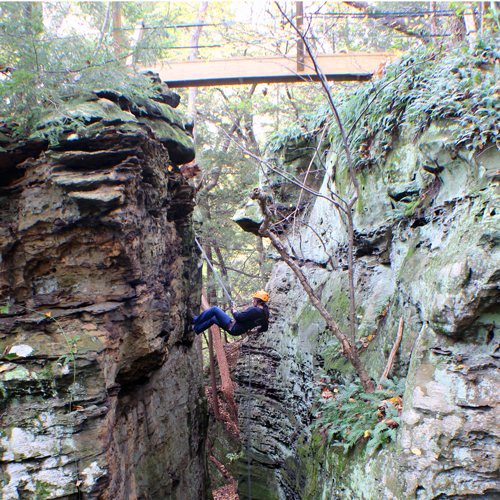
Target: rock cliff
(427,244)
(101,387)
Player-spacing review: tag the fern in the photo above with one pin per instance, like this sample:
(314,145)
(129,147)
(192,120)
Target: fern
(353,416)
(462,84)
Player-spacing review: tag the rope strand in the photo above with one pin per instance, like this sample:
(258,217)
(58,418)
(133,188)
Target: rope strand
(214,271)
(249,424)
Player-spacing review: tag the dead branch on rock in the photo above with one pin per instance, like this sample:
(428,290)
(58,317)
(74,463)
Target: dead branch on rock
(349,349)
(393,352)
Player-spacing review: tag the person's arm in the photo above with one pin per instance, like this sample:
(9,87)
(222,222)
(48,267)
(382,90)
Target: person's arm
(248,315)
(263,328)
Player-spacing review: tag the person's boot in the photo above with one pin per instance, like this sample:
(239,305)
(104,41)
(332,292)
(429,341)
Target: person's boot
(190,316)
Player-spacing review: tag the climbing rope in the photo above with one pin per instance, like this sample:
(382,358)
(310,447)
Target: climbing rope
(249,370)
(213,270)
(249,424)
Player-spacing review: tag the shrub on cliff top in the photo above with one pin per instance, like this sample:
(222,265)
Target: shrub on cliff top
(41,70)
(461,84)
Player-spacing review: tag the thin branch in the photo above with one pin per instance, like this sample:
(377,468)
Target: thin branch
(281,173)
(349,350)
(103,29)
(393,352)
(354,197)
(318,145)
(242,272)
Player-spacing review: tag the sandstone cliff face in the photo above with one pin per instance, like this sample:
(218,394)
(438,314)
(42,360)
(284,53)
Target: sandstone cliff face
(428,250)
(101,387)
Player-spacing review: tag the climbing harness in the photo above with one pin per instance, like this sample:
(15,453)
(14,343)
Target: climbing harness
(249,370)
(213,270)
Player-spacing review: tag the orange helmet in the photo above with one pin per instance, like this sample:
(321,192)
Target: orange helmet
(262,295)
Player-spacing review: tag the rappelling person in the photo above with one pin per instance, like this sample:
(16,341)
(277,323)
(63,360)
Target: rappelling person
(254,318)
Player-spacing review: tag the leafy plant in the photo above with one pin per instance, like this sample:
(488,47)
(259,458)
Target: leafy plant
(350,416)
(462,84)
(233,456)
(40,69)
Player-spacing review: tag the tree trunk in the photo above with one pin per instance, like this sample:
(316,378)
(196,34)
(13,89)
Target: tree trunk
(252,143)
(225,280)
(227,384)
(198,344)
(470,26)
(215,401)
(350,351)
(211,291)
(117,28)
(262,256)
(433,24)
(193,55)
(223,270)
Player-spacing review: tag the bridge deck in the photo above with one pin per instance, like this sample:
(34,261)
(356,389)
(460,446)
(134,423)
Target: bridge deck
(207,73)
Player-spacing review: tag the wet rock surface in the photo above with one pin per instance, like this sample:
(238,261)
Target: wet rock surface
(427,250)
(101,387)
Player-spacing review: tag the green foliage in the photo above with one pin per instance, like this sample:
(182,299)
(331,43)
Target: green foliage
(298,131)
(352,416)
(462,84)
(411,207)
(233,456)
(48,65)
(237,175)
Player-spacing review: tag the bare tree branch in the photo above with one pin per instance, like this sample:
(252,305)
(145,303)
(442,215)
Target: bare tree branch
(349,350)
(281,173)
(354,197)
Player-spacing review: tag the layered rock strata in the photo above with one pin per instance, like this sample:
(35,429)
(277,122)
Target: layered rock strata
(101,387)
(428,249)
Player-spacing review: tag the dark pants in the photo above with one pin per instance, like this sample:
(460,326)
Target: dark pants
(212,316)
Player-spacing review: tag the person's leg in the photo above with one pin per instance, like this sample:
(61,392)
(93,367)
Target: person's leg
(212,316)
